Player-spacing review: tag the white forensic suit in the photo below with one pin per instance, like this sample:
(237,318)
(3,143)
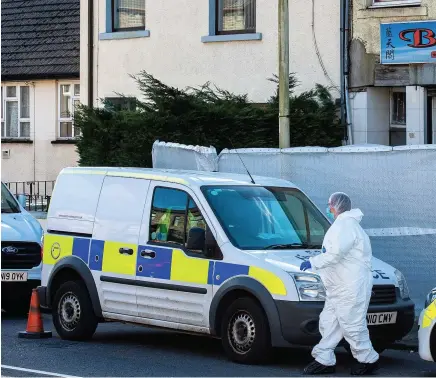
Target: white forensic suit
(345,269)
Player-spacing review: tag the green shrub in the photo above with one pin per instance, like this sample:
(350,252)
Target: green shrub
(206,115)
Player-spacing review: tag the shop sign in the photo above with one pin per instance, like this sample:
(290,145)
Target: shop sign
(408,42)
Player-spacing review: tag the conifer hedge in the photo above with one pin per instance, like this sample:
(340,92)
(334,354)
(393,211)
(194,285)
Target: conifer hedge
(206,116)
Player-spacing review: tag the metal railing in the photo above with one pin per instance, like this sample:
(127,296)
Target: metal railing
(38,193)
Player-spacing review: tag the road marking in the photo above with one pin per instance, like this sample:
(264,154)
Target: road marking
(37,371)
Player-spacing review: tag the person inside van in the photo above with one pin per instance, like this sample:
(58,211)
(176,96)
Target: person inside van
(345,269)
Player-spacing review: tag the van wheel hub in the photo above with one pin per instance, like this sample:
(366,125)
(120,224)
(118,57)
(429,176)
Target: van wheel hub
(69,311)
(241,332)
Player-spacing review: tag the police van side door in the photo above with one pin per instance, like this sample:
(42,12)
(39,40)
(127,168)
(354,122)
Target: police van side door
(114,243)
(174,283)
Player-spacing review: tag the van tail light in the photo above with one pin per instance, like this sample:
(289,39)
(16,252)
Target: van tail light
(42,247)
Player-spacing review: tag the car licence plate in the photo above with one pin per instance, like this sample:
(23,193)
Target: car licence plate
(14,276)
(381,318)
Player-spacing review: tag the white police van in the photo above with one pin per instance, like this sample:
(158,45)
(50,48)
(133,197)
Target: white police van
(21,248)
(199,252)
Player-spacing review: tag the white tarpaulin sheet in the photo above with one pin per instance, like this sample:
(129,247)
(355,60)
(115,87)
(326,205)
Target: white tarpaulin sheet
(179,156)
(394,187)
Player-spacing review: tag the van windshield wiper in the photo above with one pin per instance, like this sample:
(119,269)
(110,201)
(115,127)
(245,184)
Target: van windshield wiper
(292,246)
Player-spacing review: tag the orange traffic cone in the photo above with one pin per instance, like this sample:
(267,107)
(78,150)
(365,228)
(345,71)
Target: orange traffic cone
(35,328)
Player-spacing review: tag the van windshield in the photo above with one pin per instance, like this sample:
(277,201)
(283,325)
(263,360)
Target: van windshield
(256,217)
(9,204)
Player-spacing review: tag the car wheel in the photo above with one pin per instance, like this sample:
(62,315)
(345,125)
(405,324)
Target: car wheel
(73,315)
(15,307)
(16,299)
(245,332)
(433,344)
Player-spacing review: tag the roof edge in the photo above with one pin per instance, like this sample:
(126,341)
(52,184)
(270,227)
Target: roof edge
(14,77)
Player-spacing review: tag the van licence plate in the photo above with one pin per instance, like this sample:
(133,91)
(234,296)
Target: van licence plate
(381,318)
(14,276)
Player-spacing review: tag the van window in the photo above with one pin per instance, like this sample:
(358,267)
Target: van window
(195,218)
(173,214)
(266,217)
(168,216)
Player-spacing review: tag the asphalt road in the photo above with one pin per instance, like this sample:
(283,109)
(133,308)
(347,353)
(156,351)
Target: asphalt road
(127,350)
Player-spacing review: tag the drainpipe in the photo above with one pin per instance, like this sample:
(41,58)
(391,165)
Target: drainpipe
(345,98)
(34,130)
(342,27)
(346,69)
(90,52)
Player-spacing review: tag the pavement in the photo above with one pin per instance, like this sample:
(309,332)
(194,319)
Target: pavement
(132,351)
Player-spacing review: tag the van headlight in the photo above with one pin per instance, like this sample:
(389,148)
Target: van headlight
(430,298)
(402,284)
(309,287)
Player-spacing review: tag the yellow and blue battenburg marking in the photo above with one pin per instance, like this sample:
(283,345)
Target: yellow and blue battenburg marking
(429,315)
(168,264)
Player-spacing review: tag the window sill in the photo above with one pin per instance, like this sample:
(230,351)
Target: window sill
(395,4)
(407,10)
(232,37)
(17,140)
(64,141)
(124,35)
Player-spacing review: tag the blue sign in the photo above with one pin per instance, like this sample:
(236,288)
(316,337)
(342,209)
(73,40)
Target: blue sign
(408,42)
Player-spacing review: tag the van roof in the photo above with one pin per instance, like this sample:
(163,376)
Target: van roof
(186,177)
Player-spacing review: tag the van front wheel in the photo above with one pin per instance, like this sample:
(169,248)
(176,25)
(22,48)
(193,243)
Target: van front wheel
(245,332)
(73,315)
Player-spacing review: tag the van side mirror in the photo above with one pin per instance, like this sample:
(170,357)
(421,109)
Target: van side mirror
(212,250)
(196,239)
(22,200)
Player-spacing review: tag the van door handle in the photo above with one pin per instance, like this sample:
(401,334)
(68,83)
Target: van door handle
(126,251)
(147,254)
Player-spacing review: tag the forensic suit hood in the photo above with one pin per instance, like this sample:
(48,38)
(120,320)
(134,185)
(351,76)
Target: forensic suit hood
(345,269)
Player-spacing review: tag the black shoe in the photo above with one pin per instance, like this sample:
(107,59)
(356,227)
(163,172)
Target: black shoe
(315,368)
(364,369)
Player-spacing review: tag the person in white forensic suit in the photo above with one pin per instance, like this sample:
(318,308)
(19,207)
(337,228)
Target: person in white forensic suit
(345,269)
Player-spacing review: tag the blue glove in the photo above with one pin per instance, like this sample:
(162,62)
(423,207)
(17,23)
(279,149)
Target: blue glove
(305,265)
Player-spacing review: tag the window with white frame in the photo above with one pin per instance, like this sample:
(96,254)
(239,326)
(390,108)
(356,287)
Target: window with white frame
(128,15)
(15,111)
(398,108)
(69,98)
(394,3)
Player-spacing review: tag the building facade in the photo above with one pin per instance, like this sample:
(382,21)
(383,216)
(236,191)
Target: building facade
(40,86)
(393,72)
(231,43)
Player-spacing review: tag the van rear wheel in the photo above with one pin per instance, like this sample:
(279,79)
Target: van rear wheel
(73,315)
(245,333)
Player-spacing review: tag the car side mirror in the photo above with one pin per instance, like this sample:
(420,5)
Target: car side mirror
(196,239)
(22,199)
